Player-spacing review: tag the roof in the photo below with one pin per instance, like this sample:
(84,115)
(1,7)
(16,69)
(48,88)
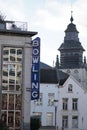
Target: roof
(52,76)
(71,44)
(43,65)
(17,32)
(14,28)
(71,28)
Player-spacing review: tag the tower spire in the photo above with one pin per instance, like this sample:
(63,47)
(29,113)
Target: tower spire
(71,19)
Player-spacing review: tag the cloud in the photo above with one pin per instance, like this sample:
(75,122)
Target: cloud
(55,17)
(12,9)
(50,20)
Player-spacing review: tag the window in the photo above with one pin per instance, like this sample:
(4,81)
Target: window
(12,73)
(11,86)
(4,86)
(50,99)
(17,119)
(11,81)
(12,58)
(19,51)
(5,73)
(65,121)
(4,101)
(17,101)
(12,54)
(39,101)
(65,103)
(4,117)
(75,122)
(74,104)
(10,118)
(12,51)
(49,119)
(11,102)
(5,52)
(70,88)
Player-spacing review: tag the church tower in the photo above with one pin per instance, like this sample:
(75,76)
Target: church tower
(71,55)
(71,50)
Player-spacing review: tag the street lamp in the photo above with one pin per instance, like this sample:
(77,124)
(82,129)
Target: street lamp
(56,104)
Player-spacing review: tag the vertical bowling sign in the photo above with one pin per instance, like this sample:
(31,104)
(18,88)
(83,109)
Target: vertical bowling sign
(35,70)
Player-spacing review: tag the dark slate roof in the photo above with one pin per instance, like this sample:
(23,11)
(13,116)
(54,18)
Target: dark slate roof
(43,65)
(48,75)
(71,44)
(71,28)
(52,76)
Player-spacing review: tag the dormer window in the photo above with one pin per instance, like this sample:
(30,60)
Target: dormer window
(70,88)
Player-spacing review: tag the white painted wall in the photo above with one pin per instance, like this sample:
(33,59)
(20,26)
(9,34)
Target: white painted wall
(60,93)
(79,93)
(79,74)
(44,108)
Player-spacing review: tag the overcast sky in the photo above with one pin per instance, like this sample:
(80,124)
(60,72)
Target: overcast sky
(50,19)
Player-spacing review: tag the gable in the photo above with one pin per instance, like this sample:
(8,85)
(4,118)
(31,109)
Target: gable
(76,87)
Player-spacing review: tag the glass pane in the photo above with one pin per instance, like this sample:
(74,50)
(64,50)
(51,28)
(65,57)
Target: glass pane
(19,73)
(18,102)
(12,87)
(19,59)
(5,73)
(18,87)
(5,58)
(12,51)
(4,101)
(12,73)
(11,67)
(50,99)
(19,52)
(11,102)
(12,58)
(4,117)
(5,52)
(17,119)
(19,55)
(4,86)
(11,81)
(10,119)
(4,80)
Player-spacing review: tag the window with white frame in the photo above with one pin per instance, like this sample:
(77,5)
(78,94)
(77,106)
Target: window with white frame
(74,121)
(74,103)
(49,119)
(70,88)
(65,121)
(39,101)
(50,99)
(65,103)
(11,86)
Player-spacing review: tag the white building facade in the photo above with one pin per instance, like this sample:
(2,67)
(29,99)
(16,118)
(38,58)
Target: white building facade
(44,107)
(71,111)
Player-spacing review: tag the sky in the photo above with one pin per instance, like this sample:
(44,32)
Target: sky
(50,19)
